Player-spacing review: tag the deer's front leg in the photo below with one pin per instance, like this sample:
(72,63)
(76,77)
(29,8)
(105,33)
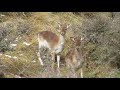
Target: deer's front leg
(58,61)
(39,58)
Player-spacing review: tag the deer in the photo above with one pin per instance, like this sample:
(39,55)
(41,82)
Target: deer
(74,58)
(52,41)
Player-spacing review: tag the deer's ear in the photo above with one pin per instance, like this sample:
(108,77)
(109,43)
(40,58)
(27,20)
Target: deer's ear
(59,25)
(68,26)
(72,38)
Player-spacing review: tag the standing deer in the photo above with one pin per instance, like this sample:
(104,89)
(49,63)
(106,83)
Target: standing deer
(55,43)
(74,58)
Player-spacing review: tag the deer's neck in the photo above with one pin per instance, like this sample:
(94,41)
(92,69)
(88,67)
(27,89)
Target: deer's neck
(61,39)
(60,45)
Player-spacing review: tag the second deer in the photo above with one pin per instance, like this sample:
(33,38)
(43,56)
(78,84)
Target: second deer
(74,58)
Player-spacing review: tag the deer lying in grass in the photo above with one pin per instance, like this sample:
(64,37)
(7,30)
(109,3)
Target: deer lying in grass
(55,43)
(74,58)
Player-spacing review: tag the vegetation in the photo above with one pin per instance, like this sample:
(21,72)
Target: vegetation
(18,43)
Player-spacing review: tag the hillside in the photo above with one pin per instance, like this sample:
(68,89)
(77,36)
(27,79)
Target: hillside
(19,45)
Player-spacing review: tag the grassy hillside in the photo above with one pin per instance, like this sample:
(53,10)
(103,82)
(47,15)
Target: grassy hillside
(18,43)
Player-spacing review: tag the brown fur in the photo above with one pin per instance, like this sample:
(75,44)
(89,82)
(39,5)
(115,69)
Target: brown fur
(71,58)
(50,37)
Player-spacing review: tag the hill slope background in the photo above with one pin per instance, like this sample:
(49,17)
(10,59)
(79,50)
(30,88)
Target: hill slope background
(18,43)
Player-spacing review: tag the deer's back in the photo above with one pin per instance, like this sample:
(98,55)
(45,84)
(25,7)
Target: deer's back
(74,58)
(51,38)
